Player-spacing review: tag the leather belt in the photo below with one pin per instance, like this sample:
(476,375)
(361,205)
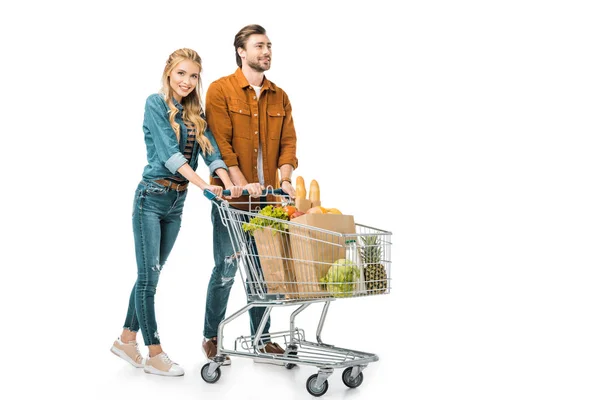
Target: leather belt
(178,187)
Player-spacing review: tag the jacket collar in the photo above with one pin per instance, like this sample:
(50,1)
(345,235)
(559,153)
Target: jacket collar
(176,103)
(243,82)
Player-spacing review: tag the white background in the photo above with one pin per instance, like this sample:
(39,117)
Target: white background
(481,117)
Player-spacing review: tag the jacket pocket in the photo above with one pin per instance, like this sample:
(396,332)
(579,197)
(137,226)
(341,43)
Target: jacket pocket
(275,114)
(239,112)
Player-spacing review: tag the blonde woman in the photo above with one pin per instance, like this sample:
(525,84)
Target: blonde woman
(176,135)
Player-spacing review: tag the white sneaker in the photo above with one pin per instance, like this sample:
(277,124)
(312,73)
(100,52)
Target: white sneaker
(161,364)
(129,352)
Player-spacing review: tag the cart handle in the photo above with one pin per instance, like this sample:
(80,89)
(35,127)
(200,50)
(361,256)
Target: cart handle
(277,192)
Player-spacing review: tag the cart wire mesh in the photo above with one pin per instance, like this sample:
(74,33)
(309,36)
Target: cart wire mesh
(287,261)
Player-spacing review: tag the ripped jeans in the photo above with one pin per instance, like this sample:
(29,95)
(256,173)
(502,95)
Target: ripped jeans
(156,222)
(221,280)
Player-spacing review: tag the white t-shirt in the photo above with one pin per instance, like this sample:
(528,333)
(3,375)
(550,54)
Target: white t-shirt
(261,175)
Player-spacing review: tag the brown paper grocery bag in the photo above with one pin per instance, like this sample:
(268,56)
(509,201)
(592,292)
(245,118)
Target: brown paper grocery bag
(315,250)
(274,253)
(303,204)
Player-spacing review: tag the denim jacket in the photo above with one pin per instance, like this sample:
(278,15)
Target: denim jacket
(164,153)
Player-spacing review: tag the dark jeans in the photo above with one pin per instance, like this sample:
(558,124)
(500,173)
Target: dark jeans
(156,222)
(221,280)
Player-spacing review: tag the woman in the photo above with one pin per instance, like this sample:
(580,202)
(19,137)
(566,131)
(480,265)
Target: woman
(175,135)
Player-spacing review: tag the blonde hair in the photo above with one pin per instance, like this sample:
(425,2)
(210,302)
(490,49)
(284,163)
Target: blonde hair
(192,103)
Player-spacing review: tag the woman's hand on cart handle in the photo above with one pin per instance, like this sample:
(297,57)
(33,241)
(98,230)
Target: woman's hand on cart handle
(217,191)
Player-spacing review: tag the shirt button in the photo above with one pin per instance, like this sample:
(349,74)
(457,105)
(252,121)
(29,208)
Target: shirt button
(255,150)
(256,133)
(240,111)
(255,115)
(254,167)
(254,97)
(278,114)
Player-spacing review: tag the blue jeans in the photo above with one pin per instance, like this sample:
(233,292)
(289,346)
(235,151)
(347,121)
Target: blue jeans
(221,280)
(156,222)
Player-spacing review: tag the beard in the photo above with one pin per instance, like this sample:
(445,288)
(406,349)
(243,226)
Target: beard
(257,66)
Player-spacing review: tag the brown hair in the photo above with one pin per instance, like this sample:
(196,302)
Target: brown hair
(241,38)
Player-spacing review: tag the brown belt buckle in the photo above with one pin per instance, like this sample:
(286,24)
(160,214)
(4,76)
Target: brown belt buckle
(179,186)
(171,185)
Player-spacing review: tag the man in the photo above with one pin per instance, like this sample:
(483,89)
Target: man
(251,119)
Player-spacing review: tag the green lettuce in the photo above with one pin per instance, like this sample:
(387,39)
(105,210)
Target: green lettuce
(259,222)
(341,278)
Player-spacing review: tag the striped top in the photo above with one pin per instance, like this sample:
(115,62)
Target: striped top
(189,147)
(191,138)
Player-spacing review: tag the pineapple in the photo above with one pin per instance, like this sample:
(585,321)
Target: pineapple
(375,275)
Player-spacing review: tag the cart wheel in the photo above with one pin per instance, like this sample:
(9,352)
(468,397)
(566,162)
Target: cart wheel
(348,381)
(210,378)
(313,389)
(291,365)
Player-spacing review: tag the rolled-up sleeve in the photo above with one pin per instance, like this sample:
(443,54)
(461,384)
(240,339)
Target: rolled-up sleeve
(175,162)
(157,125)
(215,165)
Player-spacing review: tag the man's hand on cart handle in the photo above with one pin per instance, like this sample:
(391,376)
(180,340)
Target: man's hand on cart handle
(253,189)
(289,189)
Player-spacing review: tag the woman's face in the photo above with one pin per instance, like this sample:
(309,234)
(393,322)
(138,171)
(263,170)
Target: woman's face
(184,79)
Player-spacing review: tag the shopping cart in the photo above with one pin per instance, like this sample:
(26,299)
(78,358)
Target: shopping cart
(285,263)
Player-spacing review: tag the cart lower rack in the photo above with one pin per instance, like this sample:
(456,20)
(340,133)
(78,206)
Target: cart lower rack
(295,264)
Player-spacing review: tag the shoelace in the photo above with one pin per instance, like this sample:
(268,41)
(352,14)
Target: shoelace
(164,357)
(138,356)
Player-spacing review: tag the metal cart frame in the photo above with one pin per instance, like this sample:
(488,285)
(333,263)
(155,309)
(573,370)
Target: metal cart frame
(298,350)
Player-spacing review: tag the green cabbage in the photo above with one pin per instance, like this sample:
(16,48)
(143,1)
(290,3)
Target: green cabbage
(341,278)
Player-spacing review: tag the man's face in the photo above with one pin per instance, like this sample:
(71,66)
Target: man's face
(257,54)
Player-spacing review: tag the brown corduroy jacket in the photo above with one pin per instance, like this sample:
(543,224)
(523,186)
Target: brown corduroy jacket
(237,119)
